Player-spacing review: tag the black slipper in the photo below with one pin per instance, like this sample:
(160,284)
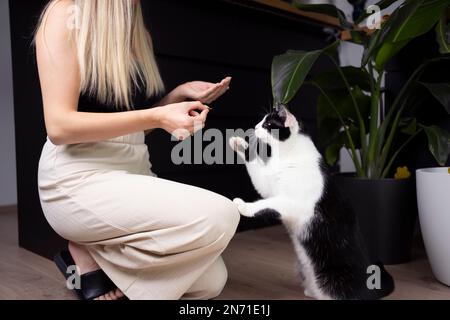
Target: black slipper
(92,285)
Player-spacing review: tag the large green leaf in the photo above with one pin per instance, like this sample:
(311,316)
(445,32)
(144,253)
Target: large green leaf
(383,4)
(327,9)
(439,143)
(390,39)
(343,103)
(412,19)
(289,72)
(333,79)
(443,35)
(408,126)
(415,18)
(328,130)
(359,37)
(386,52)
(441,91)
(332,153)
(328,120)
(340,141)
(412,96)
(332,51)
(326,111)
(371,48)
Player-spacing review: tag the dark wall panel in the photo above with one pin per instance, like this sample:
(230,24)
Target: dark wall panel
(34,232)
(194,39)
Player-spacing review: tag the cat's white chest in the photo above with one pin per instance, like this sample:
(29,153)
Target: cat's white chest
(263,177)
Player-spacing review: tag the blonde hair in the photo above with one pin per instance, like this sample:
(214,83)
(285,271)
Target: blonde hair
(114,50)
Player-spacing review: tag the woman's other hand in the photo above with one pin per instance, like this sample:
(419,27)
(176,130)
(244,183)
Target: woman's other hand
(204,92)
(183,119)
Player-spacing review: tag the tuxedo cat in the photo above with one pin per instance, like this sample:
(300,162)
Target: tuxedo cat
(289,173)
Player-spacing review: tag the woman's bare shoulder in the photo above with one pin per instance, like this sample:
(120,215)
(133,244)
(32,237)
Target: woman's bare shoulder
(56,22)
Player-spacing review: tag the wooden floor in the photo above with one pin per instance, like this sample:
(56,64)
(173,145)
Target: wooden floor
(261,266)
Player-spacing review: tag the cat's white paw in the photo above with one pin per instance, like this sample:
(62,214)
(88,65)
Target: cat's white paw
(243,207)
(309,294)
(238,144)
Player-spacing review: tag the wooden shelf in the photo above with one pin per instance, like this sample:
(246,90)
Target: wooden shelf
(290,9)
(287,8)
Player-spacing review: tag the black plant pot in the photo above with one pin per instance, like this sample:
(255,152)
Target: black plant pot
(386,211)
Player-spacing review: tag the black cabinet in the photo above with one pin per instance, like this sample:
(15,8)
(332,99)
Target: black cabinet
(193,40)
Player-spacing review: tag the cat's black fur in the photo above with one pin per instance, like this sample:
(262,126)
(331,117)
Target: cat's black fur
(336,246)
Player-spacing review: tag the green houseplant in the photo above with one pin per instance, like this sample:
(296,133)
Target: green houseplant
(351,103)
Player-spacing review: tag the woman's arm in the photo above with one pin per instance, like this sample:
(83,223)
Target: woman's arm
(60,85)
(204,92)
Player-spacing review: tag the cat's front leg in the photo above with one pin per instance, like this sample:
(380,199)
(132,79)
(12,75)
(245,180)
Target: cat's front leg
(239,145)
(243,208)
(272,206)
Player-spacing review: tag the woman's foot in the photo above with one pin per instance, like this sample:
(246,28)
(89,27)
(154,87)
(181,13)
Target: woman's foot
(87,264)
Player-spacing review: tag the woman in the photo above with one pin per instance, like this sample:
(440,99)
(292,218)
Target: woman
(154,239)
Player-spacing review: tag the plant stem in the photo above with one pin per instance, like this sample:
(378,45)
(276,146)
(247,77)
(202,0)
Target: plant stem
(382,106)
(374,121)
(390,139)
(394,157)
(362,126)
(355,158)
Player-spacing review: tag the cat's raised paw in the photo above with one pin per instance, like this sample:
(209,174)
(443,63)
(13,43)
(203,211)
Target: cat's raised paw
(243,207)
(238,144)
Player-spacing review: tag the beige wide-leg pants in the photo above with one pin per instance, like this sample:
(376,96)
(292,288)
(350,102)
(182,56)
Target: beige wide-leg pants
(154,238)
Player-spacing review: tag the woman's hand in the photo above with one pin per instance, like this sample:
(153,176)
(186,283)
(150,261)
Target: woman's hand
(183,119)
(204,92)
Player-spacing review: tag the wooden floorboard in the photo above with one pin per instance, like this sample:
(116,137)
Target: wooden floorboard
(8,209)
(261,265)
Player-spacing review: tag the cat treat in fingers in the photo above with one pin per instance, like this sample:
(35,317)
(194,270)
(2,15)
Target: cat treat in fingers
(290,174)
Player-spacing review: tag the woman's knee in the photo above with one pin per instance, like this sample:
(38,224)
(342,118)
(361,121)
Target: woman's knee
(217,284)
(211,284)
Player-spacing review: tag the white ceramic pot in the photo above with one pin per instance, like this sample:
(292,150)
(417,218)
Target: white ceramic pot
(433,197)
